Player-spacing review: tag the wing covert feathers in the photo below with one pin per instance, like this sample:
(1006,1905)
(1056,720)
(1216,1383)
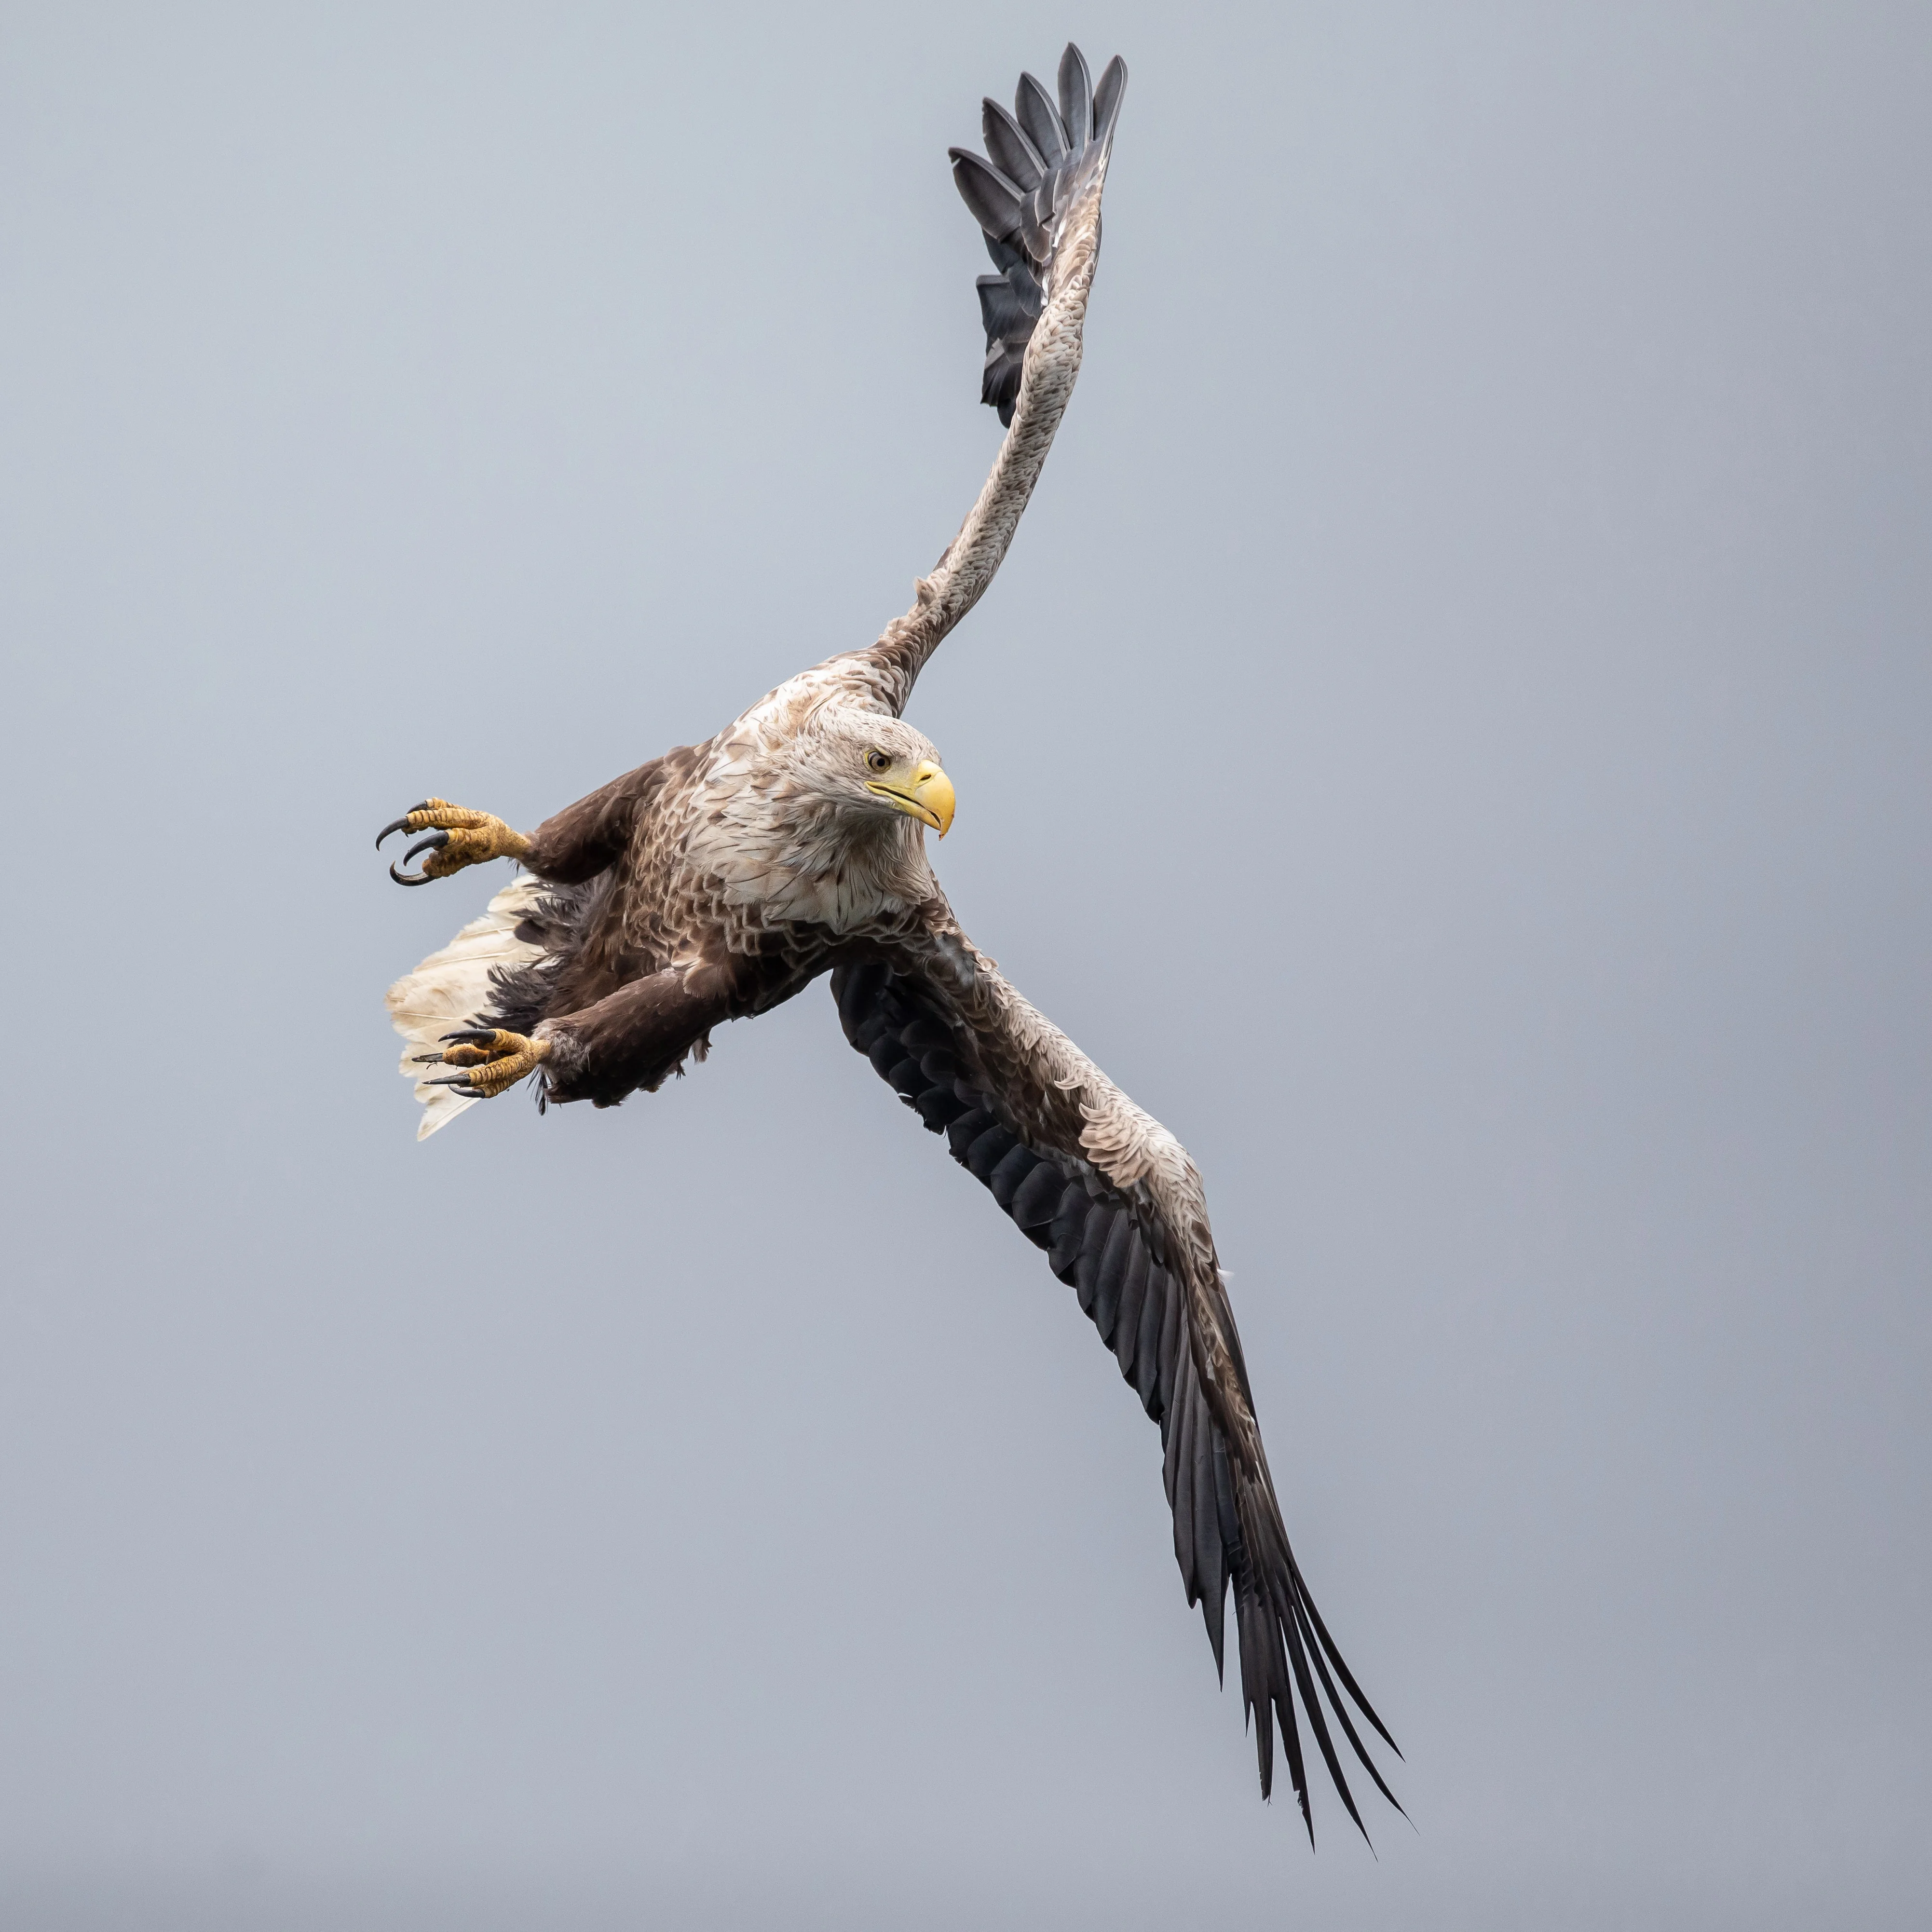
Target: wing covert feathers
(1036,194)
(1137,1278)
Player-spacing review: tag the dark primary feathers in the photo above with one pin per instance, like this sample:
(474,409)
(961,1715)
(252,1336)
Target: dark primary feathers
(1104,1247)
(1037,158)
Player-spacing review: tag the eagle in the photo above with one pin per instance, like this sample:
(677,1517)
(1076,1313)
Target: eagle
(719,880)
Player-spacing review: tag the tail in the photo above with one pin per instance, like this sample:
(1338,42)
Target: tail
(455,987)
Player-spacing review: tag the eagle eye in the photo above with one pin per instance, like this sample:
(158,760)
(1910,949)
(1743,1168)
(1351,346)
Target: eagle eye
(877,761)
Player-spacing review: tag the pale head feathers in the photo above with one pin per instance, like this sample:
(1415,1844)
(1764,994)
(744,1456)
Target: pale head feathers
(782,816)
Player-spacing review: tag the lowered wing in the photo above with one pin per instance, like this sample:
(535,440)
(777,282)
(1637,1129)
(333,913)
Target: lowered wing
(1114,1201)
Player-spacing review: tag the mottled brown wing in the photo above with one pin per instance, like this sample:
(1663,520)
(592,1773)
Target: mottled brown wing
(1113,1200)
(1036,197)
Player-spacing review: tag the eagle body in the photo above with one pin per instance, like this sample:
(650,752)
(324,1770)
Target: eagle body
(712,884)
(719,880)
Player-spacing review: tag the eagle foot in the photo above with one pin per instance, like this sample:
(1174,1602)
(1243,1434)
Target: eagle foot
(491,1060)
(458,837)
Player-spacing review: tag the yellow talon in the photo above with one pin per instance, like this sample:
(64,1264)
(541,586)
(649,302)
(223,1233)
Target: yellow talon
(491,1059)
(458,837)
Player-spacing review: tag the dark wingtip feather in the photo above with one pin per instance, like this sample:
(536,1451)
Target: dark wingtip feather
(1341,1711)
(1306,1598)
(993,200)
(1281,1699)
(1010,152)
(1214,1615)
(1319,1724)
(1076,98)
(1033,109)
(1107,97)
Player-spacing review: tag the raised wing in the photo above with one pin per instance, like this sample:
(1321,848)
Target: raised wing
(1038,161)
(1113,1199)
(1036,197)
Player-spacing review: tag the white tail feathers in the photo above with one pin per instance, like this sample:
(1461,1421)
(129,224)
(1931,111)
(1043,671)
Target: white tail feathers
(451,988)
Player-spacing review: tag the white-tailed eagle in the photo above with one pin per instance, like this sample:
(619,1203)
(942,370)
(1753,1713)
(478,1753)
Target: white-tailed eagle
(722,878)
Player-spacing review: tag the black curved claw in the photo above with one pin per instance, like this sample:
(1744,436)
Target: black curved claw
(401,824)
(470,1037)
(434,842)
(464,1091)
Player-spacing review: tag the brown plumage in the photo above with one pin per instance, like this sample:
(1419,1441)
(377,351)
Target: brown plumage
(721,879)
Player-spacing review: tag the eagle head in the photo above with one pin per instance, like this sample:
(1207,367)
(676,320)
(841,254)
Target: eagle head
(869,768)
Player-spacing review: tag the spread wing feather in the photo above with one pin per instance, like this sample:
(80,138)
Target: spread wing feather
(1115,1204)
(1036,194)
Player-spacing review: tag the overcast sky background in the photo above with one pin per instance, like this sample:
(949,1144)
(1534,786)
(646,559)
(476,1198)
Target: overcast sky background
(1482,584)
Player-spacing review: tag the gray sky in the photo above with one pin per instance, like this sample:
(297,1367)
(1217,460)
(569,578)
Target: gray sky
(1486,565)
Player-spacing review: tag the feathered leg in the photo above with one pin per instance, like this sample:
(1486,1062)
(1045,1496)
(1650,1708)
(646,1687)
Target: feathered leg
(458,837)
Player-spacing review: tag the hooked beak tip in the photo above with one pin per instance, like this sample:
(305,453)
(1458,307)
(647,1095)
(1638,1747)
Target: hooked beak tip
(935,794)
(930,801)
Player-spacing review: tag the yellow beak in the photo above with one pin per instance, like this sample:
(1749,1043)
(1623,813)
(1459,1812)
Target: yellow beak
(928,798)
